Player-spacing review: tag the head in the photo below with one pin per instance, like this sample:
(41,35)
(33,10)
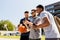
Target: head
(26,13)
(33,12)
(39,8)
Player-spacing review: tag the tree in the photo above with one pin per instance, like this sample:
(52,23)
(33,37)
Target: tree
(9,26)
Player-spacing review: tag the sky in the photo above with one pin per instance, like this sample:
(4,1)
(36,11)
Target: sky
(13,10)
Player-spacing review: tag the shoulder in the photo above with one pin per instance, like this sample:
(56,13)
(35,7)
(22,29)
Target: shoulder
(45,12)
(22,19)
(30,17)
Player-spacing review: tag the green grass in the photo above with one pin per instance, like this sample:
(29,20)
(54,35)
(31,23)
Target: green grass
(9,36)
(18,37)
(43,37)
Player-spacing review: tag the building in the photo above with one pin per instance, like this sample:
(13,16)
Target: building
(54,8)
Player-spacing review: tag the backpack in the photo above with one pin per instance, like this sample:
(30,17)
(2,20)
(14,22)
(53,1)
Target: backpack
(57,21)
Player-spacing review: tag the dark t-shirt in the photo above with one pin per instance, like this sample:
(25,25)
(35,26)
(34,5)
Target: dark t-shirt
(21,22)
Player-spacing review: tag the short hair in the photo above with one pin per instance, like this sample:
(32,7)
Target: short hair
(40,6)
(26,12)
(33,10)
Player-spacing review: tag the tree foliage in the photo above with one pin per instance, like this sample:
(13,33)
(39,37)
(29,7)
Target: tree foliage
(9,26)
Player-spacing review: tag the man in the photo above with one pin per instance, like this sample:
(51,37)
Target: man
(47,23)
(25,35)
(34,34)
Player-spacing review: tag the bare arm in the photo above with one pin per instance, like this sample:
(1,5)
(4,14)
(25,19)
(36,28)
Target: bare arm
(46,23)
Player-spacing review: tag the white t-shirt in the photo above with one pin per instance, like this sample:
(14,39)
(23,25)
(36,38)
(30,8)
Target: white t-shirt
(51,31)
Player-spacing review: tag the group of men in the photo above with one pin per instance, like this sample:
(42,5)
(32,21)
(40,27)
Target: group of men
(39,19)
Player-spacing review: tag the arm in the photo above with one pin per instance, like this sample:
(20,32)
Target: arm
(46,23)
(25,23)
